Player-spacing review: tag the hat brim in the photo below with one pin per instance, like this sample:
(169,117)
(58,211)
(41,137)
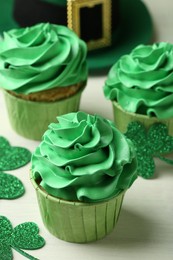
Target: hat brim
(135,28)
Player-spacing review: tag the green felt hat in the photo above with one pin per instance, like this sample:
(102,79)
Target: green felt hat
(135,28)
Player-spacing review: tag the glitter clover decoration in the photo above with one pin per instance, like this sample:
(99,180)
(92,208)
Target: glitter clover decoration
(24,236)
(12,157)
(149,144)
(10,186)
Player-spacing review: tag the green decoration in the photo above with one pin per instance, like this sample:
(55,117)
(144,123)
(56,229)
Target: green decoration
(10,186)
(23,236)
(3,142)
(12,157)
(149,144)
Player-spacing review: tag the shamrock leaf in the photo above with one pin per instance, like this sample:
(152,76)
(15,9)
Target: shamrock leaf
(26,236)
(149,144)
(10,186)
(146,165)
(3,142)
(23,236)
(12,157)
(5,233)
(161,143)
(6,252)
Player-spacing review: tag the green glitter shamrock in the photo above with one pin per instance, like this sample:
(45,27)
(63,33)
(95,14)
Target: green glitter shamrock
(12,157)
(10,186)
(24,236)
(149,144)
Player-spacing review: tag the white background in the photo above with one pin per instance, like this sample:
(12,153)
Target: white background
(145,227)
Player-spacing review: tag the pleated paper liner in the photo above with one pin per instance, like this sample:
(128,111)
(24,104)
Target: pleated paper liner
(31,118)
(77,222)
(122,119)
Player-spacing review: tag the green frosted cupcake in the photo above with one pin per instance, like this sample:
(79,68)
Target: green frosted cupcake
(43,71)
(140,85)
(81,171)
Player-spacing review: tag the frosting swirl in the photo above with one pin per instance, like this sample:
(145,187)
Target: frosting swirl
(142,82)
(41,57)
(84,158)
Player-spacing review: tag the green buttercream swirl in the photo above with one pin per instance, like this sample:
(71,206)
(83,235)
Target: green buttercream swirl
(142,82)
(41,57)
(84,158)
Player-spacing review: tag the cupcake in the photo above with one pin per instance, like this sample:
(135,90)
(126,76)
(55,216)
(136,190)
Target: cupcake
(81,171)
(140,86)
(43,71)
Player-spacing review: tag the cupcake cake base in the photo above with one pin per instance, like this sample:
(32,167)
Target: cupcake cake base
(122,119)
(77,222)
(31,118)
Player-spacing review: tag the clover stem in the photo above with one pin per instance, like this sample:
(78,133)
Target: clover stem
(24,253)
(167,160)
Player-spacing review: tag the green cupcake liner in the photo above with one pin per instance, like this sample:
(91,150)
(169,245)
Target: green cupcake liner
(122,119)
(31,119)
(77,222)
